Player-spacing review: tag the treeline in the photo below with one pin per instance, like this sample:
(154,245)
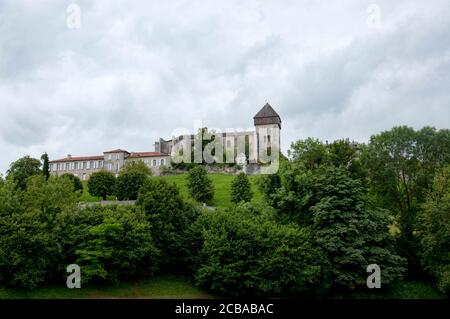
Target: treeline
(329,212)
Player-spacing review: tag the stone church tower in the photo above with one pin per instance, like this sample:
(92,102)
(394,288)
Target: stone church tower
(267,131)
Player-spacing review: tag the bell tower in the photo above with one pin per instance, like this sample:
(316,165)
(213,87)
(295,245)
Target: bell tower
(267,131)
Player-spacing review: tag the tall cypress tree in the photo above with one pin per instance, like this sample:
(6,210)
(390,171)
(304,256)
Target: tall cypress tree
(45,165)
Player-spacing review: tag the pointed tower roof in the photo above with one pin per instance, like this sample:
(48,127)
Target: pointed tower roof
(267,115)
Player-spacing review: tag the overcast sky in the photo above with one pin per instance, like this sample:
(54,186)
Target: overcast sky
(135,71)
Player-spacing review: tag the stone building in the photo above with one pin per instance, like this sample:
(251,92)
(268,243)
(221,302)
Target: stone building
(247,146)
(266,136)
(111,161)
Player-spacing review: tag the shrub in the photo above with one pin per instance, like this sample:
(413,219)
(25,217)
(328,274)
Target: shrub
(101,184)
(200,186)
(248,254)
(170,218)
(350,232)
(435,231)
(29,250)
(128,185)
(77,185)
(241,189)
(112,243)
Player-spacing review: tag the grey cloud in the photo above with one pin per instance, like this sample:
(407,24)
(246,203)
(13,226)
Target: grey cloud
(137,70)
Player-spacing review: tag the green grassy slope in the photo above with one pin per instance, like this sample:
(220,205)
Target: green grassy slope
(164,287)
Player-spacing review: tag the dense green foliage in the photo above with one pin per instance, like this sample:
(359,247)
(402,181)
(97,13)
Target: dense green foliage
(352,234)
(117,246)
(401,164)
(330,211)
(170,217)
(435,231)
(29,248)
(128,185)
(102,184)
(247,253)
(77,184)
(241,189)
(200,186)
(23,168)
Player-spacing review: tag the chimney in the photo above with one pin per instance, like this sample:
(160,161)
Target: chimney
(69,156)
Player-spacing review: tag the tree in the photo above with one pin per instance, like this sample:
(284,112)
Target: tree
(401,164)
(45,165)
(77,184)
(434,230)
(101,184)
(244,253)
(241,189)
(119,247)
(49,197)
(136,167)
(344,226)
(128,185)
(311,152)
(170,218)
(200,186)
(30,251)
(23,168)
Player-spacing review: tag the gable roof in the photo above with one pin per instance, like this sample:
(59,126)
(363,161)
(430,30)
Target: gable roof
(117,151)
(266,111)
(79,158)
(146,154)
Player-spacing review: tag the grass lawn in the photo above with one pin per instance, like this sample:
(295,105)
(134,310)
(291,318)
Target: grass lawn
(221,182)
(163,287)
(222,187)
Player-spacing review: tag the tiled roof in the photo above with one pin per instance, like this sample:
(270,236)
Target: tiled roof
(117,151)
(146,154)
(75,159)
(266,111)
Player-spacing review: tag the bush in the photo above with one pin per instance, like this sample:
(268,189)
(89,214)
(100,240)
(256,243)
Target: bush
(244,253)
(101,184)
(112,243)
(170,218)
(128,185)
(435,231)
(200,186)
(77,185)
(241,189)
(351,233)
(29,250)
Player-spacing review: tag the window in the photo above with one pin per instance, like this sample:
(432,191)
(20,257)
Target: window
(57,167)
(109,156)
(72,165)
(154,162)
(67,166)
(268,138)
(76,165)
(117,156)
(162,161)
(92,165)
(84,165)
